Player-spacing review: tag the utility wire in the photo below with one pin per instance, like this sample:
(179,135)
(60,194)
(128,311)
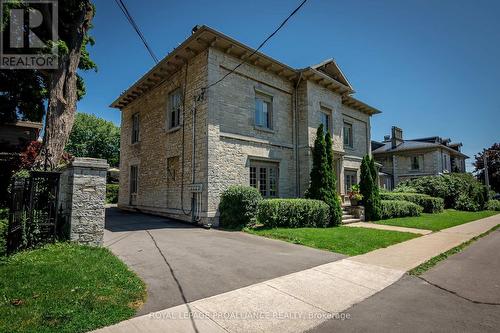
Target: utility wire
(136,28)
(260,46)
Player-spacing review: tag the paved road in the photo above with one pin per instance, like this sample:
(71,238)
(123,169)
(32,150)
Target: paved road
(461,294)
(195,263)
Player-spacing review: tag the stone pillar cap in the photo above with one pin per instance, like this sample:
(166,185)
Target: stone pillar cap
(87,162)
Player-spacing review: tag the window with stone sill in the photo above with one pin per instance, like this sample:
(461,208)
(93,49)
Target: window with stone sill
(416,162)
(348,136)
(263,111)
(264,177)
(174,108)
(325,119)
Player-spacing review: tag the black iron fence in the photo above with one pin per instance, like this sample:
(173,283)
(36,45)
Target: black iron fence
(33,216)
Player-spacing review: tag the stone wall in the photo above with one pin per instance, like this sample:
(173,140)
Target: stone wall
(82,198)
(159,189)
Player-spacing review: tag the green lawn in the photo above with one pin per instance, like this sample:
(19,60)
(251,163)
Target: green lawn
(66,288)
(446,219)
(346,240)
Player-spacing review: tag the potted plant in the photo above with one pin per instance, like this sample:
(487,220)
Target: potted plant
(354,195)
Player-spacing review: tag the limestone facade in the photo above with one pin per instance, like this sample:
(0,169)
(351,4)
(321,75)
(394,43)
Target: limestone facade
(181,173)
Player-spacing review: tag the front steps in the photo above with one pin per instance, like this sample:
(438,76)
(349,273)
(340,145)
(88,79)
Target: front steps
(347,217)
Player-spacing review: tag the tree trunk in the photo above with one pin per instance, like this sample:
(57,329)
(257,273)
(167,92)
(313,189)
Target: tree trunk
(62,87)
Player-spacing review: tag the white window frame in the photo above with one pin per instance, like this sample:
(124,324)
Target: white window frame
(328,113)
(350,137)
(258,169)
(174,109)
(348,174)
(268,101)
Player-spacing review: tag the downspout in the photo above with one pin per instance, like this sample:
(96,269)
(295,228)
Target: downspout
(296,128)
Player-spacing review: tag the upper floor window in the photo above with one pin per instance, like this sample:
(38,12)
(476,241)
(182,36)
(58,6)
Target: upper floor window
(174,108)
(263,111)
(416,162)
(325,119)
(347,135)
(264,177)
(135,128)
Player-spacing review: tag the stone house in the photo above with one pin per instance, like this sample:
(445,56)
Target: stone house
(186,135)
(407,159)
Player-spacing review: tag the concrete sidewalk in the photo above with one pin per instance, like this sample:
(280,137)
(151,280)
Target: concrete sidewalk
(300,301)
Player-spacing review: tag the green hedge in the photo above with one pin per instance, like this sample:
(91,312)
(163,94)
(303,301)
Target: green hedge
(428,203)
(238,206)
(112,193)
(494,205)
(293,213)
(399,208)
(4,222)
(459,190)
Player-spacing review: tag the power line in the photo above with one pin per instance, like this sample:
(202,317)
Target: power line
(136,28)
(260,46)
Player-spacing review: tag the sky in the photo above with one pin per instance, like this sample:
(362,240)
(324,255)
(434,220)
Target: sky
(431,66)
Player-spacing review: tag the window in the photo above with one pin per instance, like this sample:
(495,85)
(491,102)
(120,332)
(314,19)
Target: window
(135,128)
(263,111)
(264,177)
(416,162)
(172,169)
(347,135)
(325,115)
(174,108)
(133,179)
(351,178)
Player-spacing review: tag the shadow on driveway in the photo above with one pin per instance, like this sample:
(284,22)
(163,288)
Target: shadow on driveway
(182,263)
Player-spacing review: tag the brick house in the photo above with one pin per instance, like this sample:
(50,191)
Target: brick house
(407,159)
(182,145)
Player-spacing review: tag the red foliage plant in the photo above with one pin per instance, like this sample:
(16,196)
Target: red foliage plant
(29,154)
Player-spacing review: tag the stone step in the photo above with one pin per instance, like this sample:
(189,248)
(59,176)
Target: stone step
(347,221)
(347,216)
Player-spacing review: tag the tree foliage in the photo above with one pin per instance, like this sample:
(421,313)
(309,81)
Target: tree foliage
(493,157)
(323,185)
(94,137)
(29,94)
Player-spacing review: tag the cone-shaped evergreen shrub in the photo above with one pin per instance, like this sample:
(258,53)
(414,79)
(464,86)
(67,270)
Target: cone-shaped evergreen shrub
(369,189)
(322,185)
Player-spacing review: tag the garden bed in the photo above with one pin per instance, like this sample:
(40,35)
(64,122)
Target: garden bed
(66,288)
(446,219)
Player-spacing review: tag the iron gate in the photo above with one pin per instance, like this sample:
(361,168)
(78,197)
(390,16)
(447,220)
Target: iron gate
(33,214)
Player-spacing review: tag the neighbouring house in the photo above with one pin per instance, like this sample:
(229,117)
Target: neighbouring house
(187,134)
(407,159)
(14,137)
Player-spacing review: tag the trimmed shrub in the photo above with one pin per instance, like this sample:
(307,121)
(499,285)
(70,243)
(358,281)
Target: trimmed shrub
(238,206)
(399,208)
(112,193)
(293,213)
(404,189)
(493,205)
(458,190)
(369,189)
(428,203)
(322,185)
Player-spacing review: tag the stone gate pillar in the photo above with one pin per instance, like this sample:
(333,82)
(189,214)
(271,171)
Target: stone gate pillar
(82,197)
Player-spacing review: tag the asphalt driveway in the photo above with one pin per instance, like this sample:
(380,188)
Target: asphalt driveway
(181,263)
